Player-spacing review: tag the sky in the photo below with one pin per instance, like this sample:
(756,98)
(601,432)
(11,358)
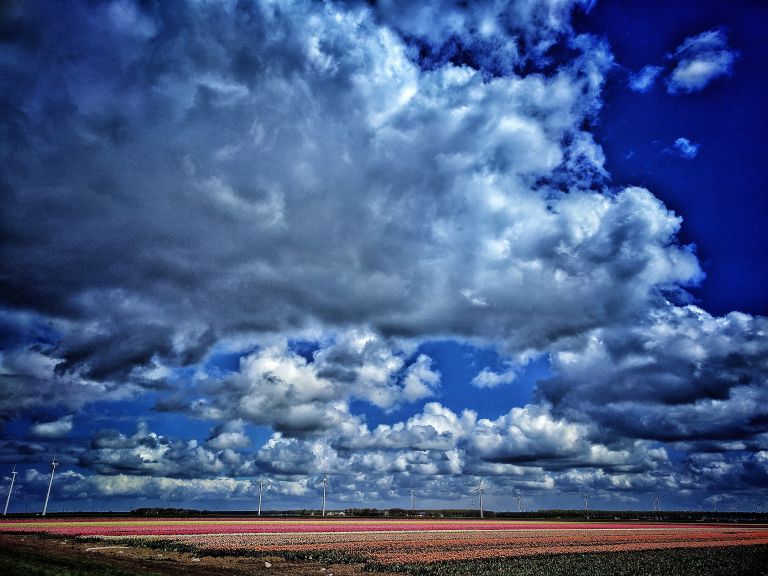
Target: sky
(411,245)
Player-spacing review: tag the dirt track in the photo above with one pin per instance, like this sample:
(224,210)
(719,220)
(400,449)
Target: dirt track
(171,563)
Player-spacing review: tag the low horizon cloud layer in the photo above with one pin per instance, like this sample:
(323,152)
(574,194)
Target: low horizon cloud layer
(250,218)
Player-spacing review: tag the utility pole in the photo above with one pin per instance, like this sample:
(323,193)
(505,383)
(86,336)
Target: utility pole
(50,483)
(7,500)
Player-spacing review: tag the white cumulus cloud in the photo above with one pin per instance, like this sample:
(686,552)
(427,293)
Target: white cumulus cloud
(686,149)
(55,429)
(644,80)
(699,60)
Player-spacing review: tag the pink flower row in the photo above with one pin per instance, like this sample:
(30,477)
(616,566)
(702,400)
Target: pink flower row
(165,527)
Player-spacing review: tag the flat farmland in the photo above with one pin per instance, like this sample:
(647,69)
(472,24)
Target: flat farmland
(410,546)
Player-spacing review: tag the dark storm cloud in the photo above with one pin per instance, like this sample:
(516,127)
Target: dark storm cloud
(148,453)
(182,173)
(679,375)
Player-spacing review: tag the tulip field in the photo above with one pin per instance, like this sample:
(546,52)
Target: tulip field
(428,545)
(396,543)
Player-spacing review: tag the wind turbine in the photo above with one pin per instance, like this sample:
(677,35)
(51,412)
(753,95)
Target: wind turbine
(261,484)
(586,500)
(50,483)
(657,504)
(7,500)
(480,491)
(519,504)
(412,491)
(324,482)
(175,495)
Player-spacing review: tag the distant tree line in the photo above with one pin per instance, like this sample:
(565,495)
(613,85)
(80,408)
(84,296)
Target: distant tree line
(568,515)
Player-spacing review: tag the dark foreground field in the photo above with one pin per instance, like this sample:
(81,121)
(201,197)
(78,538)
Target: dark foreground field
(32,554)
(35,554)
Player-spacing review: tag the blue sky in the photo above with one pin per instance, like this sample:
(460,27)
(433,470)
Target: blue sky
(412,244)
(718,191)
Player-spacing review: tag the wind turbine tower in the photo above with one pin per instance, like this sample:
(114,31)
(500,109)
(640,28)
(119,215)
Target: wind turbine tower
(586,501)
(480,491)
(50,483)
(261,483)
(519,504)
(412,493)
(7,500)
(324,482)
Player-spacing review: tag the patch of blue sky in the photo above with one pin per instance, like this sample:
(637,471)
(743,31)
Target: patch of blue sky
(726,119)
(258,435)
(304,348)
(175,425)
(122,416)
(458,364)
(16,428)
(226,361)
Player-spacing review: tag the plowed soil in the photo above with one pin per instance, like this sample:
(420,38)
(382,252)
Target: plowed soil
(171,563)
